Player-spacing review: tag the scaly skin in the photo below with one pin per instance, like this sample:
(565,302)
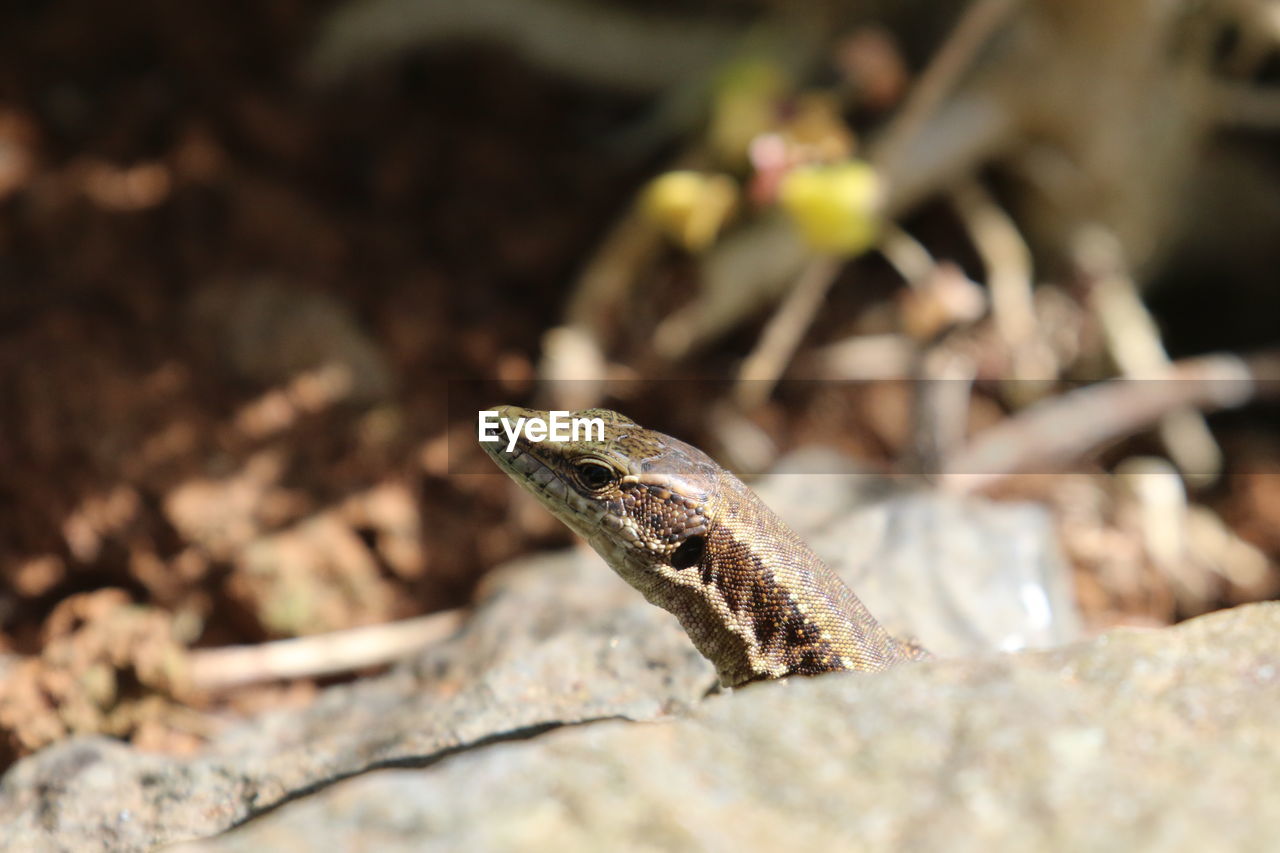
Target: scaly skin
(755,600)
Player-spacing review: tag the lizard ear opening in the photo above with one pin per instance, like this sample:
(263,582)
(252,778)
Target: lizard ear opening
(689,553)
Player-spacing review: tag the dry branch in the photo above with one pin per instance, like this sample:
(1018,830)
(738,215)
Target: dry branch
(764,366)
(318,655)
(1061,430)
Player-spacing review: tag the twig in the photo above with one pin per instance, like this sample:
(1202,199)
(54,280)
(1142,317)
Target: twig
(1008,266)
(907,255)
(1162,504)
(321,654)
(1134,343)
(748,270)
(939,79)
(764,366)
(1052,434)
(622,257)
(971,128)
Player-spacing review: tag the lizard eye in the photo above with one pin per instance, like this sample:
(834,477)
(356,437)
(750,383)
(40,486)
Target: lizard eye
(593,475)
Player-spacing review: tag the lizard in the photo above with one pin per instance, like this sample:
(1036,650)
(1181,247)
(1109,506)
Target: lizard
(695,540)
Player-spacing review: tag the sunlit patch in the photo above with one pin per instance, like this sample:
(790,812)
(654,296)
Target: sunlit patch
(36,576)
(279,409)
(222,514)
(96,519)
(17,151)
(170,442)
(1036,602)
(126,188)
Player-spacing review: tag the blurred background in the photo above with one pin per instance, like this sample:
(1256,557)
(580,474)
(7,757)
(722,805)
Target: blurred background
(260,264)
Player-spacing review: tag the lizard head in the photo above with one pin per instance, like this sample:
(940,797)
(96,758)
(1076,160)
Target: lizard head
(642,499)
(755,600)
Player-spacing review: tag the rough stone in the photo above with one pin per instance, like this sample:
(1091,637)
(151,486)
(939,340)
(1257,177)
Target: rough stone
(554,641)
(1155,740)
(962,575)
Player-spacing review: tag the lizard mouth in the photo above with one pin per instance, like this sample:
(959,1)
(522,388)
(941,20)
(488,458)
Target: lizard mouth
(546,484)
(530,471)
(587,517)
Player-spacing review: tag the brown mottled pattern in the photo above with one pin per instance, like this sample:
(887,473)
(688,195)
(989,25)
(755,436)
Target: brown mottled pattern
(755,600)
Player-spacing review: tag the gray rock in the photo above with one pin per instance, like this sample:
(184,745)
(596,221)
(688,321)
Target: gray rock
(1163,740)
(553,641)
(962,575)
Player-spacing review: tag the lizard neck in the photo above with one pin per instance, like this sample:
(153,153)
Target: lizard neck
(787,612)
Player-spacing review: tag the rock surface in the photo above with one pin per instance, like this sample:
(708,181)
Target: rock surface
(963,576)
(1160,740)
(554,640)
(557,640)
